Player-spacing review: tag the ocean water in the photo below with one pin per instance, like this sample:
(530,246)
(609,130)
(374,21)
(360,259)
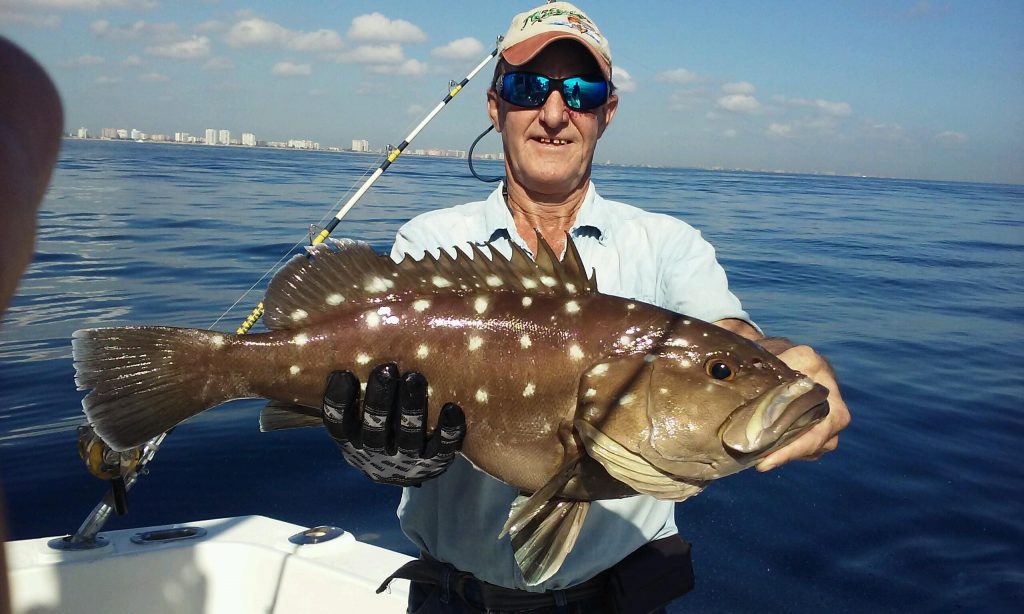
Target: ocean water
(914,291)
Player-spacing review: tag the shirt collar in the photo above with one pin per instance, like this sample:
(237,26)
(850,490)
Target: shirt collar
(593,219)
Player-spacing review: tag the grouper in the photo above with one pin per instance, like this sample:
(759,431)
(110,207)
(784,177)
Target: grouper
(569,394)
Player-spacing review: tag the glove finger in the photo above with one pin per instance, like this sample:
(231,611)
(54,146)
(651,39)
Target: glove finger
(378,405)
(411,426)
(341,407)
(446,439)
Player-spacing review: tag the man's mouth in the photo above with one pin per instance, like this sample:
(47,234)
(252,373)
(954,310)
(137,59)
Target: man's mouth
(546,141)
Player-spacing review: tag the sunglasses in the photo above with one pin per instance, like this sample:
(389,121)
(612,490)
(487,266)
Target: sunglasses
(530,90)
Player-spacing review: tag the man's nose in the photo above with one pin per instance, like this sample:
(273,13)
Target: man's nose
(554,112)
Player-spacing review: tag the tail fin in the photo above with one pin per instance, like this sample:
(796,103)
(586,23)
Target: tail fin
(145,380)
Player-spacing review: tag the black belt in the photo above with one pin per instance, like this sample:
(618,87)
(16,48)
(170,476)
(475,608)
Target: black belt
(491,597)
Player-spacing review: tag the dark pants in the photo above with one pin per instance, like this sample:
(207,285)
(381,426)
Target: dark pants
(428,599)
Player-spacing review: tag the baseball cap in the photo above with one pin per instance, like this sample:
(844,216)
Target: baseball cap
(537,28)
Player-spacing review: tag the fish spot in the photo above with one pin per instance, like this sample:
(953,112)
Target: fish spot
(686,322)
(362,387)
(529,390)
(335,299)
(627,398)
(570,288)
(631,306)
(475,343)
(481,395)
(294,370)
(217,341)
(527,301)
(650,358)
(494,281)
(372,319)
(600,369)
(548,281)
(663,390)
(423,351)
(625,340)
(440,282)
(362,358)
(525,341)
(300,339)
(575,352)
(378,285)
(480,305)
(421,305)
(590,393)
(430,390)
(529,283)
(572,307)
(299,314)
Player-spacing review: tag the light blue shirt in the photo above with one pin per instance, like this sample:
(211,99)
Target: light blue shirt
(639,255)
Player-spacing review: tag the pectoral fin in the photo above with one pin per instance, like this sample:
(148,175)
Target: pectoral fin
(544,527)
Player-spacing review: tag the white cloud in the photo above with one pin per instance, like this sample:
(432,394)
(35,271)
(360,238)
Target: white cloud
(83,60)
(678,75)
(258,32)
(739,103)
(152,32)
(729,133)
(739,88)
(291,69)
(154,77)
(951,137)
(371,54)
(191,49)
(377,27)
(218,64)
(105,80)
(828,107)
(413,68)
(883,131)
(623,80)
(29,19)
(780,130)
(132,60)
(460,49)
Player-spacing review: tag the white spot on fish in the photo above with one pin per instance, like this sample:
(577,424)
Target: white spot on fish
(475,343)
(481,395)
(686,322)
(663,390)
(548,281)
(631,306)
(430,390)
(378,285)
(362,387)
(217,341)
(650,358)
(300,339)
(372,319)
(362,358)
(529,283)
(294,370)
(421,305)
(525,341)
(335,299)
(494,281)
(627,398)
(677,343)
(422,352)
(571,288)
(480,305)
(625,340)
(575,352)
(440,282)
(529,390)
(590,393)
(572,307)
(299,314)
(527,301)
(600,369)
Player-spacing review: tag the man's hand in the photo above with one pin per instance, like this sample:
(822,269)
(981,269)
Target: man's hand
(385,436)
(824,436)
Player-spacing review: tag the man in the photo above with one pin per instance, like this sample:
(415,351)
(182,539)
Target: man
(552,100)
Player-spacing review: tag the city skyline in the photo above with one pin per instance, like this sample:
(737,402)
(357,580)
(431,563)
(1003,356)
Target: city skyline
(907,88)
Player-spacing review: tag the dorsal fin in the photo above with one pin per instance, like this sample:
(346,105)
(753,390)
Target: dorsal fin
(343,275)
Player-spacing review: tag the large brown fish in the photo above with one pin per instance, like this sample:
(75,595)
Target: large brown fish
(569,394)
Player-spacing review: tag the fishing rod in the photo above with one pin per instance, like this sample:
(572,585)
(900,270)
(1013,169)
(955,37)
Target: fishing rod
(104,464)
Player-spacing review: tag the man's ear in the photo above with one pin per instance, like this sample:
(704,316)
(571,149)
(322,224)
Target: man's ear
(608,112)
(492,109)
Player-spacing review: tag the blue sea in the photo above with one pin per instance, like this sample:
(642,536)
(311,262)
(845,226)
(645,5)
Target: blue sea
(914,290)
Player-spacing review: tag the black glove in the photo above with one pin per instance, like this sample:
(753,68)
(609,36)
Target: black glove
(386,438)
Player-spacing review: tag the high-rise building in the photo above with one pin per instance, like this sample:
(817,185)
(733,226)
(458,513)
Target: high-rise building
(211,136)
(122,133)
(109,133)
(360,145)
(224,137)
(136,135)
(249,139)
(182,137)
(83,133)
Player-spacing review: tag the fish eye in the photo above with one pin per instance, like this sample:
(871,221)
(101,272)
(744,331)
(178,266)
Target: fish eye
(719,369)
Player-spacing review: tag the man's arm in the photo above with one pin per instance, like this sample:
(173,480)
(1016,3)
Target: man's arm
(824,436)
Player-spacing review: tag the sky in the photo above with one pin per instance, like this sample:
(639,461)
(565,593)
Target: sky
(924,89)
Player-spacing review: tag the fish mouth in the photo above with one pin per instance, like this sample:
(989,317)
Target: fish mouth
(774,418)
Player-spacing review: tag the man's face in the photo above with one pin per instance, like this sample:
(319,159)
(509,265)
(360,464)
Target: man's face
(549,150)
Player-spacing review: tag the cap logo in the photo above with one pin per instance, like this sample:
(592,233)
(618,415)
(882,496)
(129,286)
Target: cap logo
(571,19)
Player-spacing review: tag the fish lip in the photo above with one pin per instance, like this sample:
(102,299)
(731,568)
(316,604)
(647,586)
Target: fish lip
(798,415)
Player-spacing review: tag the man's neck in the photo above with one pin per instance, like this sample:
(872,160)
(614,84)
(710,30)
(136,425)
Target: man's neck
(552,216)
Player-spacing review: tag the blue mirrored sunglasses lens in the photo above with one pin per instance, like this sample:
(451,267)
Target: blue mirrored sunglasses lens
(579,93)
(531,91)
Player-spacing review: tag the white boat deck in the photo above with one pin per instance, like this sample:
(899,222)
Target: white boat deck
(244,564)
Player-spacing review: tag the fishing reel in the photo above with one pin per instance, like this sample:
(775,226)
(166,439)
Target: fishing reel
(107,464)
